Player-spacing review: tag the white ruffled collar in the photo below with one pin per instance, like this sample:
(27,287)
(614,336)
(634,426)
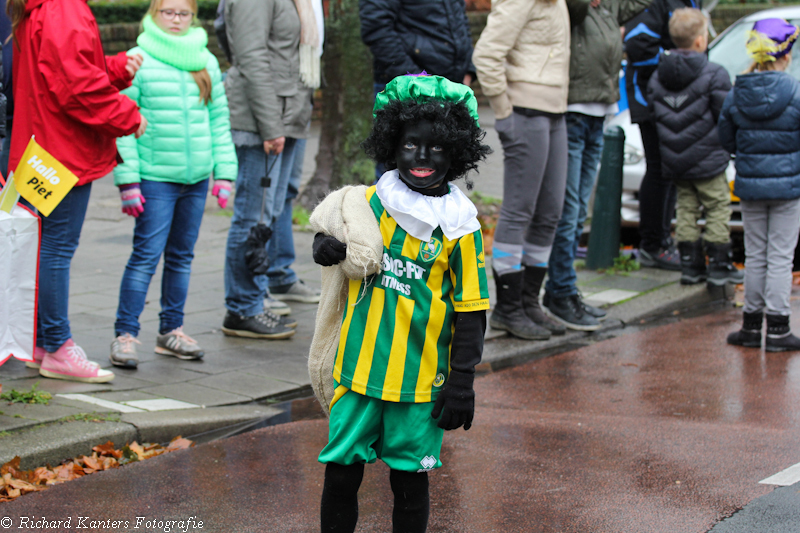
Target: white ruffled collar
(420,215)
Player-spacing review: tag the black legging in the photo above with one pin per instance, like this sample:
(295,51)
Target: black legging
(656,195)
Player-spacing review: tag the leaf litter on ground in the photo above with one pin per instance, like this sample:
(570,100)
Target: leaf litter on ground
(14,482)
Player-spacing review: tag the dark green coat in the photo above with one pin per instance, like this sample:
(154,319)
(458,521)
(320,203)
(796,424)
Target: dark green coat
(596,48)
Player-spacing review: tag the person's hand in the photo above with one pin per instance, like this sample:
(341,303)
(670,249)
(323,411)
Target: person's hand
(222,190)
(142,127)
(133,64)
(274,146)
(327,250)
(468,77)
(456,402)
(132,199)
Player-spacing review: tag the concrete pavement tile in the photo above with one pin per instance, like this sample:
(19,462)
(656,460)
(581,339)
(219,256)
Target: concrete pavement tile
(291,369)
(8,423)
(610,296)
(628,283)
(197,394)
(95,300)
(164,370)
(56,386)
(16,369)
(221,361)
(36,413)
(255,387)
(125,396)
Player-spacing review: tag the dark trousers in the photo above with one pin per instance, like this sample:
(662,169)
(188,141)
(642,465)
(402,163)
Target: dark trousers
(656,195)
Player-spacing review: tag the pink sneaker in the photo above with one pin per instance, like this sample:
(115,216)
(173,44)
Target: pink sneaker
(38,355)
(69,362)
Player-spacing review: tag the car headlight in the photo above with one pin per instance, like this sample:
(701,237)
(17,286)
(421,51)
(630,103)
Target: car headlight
(631,155)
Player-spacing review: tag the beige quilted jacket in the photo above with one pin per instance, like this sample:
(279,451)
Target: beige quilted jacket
(522,56)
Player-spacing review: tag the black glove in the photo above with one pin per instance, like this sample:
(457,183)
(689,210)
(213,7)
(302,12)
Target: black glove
(256,257)
(456,402)
(327,250)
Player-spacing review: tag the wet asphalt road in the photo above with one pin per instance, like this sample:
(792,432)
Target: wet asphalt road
(661,430)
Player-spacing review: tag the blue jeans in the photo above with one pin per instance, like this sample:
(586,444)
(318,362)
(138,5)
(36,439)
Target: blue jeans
(281,245)
(169,225)
(585,138)
(61,232)
(244,292)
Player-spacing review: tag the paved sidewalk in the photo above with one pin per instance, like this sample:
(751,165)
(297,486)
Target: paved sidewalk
(238,380)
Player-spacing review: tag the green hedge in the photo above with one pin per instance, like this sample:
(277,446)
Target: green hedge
(109,12)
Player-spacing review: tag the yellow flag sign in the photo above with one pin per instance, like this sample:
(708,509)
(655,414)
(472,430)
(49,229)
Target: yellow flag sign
(41,179)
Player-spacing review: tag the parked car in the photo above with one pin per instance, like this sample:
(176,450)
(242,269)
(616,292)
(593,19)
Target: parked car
(728,50)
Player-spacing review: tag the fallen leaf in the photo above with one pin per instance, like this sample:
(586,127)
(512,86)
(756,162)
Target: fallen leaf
(179,443)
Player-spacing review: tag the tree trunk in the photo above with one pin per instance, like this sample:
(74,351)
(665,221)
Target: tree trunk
(346,106)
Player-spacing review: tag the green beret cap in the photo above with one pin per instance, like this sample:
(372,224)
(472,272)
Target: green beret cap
(422,87)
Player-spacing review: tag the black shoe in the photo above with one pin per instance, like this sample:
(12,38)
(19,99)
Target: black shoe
(779,335)
(693,262)
(665,259)
(508,314)
(750,334)
(720,265)
(263,326)
(570,312)
(531,286)
(599,314)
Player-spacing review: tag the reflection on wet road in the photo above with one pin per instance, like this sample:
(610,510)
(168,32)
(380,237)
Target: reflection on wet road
(664,430)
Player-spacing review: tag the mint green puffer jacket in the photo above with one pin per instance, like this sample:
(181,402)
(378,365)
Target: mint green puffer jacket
(185,140)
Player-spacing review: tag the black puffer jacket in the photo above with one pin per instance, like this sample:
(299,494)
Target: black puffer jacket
(686,94)
(414,35)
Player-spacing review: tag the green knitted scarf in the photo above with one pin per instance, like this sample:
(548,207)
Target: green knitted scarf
(184,52)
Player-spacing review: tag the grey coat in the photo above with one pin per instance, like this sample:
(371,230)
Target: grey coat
(265,95)
(596,48)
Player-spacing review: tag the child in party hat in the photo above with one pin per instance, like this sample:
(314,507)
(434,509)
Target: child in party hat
(412,332)
(760,123)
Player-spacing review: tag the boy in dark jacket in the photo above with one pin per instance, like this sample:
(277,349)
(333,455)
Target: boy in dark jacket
(686,94)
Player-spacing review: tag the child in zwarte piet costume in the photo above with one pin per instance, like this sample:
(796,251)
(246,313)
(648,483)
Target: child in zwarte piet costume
(403,312)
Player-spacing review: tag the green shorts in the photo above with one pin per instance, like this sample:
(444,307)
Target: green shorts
(402,435)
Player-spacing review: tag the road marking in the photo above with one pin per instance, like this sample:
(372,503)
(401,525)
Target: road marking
(102,403)
(784,478)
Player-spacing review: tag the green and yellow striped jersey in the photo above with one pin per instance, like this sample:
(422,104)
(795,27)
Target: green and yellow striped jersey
(398,324)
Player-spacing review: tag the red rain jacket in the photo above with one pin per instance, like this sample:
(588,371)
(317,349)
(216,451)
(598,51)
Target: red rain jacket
(66,91)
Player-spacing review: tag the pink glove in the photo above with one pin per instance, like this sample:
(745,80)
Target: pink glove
(132,199)
(222,190)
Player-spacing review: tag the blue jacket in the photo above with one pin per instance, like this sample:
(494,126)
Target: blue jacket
(760,123)
(415,35)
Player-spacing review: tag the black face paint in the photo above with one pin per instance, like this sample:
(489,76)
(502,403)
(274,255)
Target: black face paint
(422,162)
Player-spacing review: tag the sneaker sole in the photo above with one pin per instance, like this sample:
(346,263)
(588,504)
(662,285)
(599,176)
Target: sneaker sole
(774,349)
(503,327)
(722,282)
(747,345)
(31,364)
(295,298)
(570,325)
(280,311)
(186,357)
(129,363)
(292,324)
(55,375)
(253,335)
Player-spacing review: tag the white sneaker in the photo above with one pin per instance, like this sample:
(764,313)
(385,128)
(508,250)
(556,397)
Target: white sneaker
(297,292)
(276,306)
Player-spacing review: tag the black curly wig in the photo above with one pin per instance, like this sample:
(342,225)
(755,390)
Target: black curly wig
(452,125)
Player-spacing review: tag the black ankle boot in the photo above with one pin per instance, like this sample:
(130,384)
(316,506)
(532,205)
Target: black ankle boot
(750,334)
(508,314)
(693,262)
(720,265)
(779,335)
(531,285)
